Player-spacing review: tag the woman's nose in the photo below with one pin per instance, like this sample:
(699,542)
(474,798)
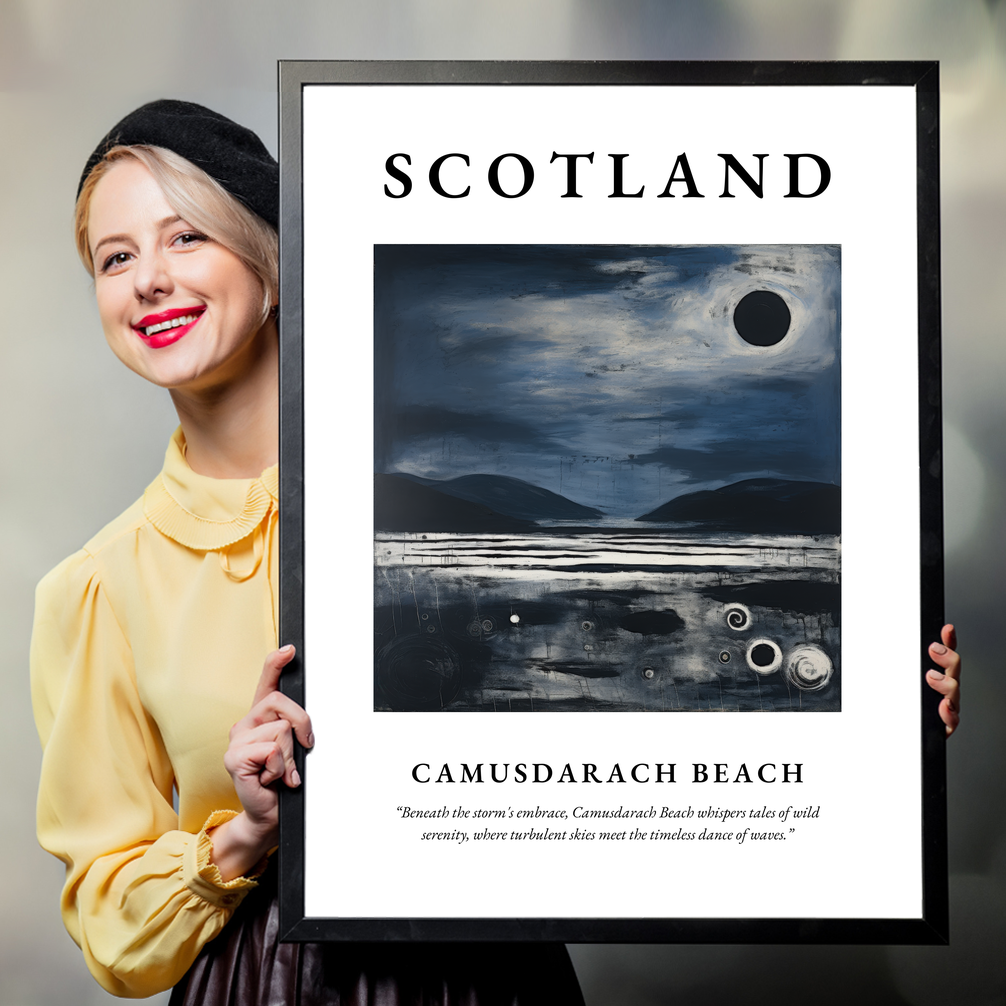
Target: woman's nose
(152,277)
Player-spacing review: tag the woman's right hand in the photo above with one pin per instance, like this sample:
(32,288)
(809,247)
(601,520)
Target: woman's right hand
(260,753)
(948,681)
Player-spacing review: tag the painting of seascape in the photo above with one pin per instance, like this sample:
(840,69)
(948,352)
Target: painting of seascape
(607,478)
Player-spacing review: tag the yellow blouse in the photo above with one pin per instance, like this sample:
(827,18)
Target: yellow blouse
(147,647)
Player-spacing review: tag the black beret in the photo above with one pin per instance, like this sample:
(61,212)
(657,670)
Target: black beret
(231,154)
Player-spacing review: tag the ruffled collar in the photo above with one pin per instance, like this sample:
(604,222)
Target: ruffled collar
(203,513)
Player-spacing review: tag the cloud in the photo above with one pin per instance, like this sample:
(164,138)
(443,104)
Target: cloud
(399,433)
(493,358)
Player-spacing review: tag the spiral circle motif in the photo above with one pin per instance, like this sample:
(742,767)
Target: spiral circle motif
(738,616)
(808,667)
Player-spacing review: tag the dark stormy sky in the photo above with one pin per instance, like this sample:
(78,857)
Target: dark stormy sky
(613,375)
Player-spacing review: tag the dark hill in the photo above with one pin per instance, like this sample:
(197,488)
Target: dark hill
(512,497)
(403,505)
(805,597)
(759,506)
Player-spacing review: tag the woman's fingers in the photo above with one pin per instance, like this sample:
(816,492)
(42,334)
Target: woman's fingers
(945,655)
(278,735)
(277,706)
(947,681)
(947,686)
(951,717)
(261,749)
(949,636)
(274,767)
(257,761)
(270,703)
(949,712)
(271,671)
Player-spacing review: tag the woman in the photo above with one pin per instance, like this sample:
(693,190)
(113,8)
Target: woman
(148,643)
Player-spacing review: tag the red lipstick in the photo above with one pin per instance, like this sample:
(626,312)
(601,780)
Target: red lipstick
(166,327)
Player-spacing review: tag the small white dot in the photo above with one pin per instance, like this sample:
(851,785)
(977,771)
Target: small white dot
(515,619)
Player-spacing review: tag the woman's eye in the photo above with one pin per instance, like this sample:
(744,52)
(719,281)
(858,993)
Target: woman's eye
(114,261)
(190,238)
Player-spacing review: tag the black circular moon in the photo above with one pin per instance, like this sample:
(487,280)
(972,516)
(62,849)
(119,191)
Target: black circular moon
(762,318)
(762,655)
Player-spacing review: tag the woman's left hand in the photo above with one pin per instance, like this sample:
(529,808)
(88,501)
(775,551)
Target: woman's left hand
(948,681)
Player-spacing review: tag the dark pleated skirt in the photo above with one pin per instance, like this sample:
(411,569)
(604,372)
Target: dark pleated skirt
(246,965)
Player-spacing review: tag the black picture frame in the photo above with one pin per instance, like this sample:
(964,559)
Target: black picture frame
(930,926)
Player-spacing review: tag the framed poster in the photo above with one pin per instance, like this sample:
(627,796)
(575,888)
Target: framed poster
(611,501)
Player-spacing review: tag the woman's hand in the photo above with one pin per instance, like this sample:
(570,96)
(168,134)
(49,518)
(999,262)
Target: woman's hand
(260,754)
(948,681)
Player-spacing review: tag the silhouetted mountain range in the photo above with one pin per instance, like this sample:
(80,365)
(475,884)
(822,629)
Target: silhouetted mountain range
(402,504)
(759,506)
(499,495)
(500,504)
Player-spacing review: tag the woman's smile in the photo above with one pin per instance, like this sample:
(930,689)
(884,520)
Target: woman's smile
(166,327)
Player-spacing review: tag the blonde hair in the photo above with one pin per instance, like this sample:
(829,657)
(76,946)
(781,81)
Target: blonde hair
(199,200)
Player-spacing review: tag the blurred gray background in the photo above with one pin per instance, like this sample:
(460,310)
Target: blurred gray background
(82,436)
